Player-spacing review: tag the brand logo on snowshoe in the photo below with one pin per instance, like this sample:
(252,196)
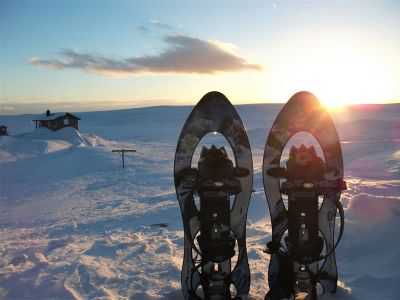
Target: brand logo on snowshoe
(308,185)
(218,184)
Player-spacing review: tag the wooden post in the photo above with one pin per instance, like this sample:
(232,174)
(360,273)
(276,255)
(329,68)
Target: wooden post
(123,154)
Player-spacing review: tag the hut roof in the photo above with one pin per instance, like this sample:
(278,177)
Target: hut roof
(55,116)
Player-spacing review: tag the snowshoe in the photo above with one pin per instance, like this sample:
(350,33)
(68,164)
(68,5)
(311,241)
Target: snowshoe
(212,230)
(306,177)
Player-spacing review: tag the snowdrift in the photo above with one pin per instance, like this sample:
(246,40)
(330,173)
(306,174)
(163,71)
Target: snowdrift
(75,225)
(44,141)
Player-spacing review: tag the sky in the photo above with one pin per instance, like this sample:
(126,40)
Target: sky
(99,55)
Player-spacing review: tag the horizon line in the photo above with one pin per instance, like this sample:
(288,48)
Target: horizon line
(7,112)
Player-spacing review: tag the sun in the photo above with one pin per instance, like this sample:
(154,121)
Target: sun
(351,81)
(339,81)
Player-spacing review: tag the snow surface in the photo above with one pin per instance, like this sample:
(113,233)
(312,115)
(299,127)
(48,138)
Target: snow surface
(75,225)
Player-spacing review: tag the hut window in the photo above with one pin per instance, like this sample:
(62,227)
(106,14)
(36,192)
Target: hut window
(66,121)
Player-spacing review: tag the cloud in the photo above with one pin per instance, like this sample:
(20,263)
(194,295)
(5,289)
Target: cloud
(6,108)
(149,26)
(184,55)
(143,28)
(160,24)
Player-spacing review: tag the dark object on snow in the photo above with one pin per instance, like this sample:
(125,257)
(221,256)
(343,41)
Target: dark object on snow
(123,154)
(57,121)
(3,130)
(212,231)
(295,270)
(164,225)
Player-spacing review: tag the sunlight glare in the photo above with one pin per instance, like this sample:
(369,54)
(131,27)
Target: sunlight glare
(351,81)
(340,81)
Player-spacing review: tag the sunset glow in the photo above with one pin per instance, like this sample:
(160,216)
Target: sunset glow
(343,81)
(344,53)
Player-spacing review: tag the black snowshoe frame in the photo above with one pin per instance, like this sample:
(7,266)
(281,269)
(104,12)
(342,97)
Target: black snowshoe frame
(303,113)
(211,268)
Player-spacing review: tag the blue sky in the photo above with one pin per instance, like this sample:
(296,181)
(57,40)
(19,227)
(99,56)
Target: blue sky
(90,55)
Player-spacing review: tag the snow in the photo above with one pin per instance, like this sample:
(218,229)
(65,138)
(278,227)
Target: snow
(75,225)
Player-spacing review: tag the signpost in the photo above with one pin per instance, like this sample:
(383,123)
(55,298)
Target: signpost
(123,154)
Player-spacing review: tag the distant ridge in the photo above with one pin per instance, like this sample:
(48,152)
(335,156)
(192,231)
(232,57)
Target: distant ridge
(170,118)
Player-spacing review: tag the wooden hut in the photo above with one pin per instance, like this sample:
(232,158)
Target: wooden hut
(56,121)
(3,130)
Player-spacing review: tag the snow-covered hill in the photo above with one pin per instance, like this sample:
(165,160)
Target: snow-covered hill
(75,225)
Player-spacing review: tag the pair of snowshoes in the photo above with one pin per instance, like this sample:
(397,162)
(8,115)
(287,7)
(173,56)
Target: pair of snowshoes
(215,230)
